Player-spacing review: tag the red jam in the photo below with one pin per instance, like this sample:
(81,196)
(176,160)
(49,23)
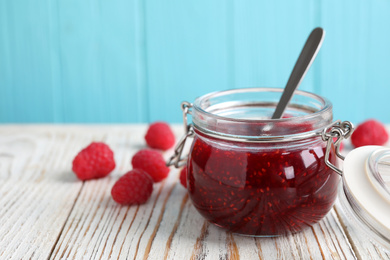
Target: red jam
(261,189)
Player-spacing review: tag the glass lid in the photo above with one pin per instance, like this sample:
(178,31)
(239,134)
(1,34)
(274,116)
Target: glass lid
(366,182)
(379,171)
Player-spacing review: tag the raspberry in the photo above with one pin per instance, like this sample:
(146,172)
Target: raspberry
(152,162)
(370,132)
(183,176)
(160,136)
(94,161)
(135,187)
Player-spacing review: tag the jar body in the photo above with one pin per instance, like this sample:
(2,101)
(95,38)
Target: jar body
(258,176)
(267,189)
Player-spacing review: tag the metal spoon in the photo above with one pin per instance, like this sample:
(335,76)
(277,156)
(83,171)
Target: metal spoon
(305,59)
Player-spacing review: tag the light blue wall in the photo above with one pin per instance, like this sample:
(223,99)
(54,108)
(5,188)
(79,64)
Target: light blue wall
(135,61)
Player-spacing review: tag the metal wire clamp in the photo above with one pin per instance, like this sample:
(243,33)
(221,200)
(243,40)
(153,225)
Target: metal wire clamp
(341,131)
(177,158)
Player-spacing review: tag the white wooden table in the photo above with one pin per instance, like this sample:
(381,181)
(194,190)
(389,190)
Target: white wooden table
(47,213)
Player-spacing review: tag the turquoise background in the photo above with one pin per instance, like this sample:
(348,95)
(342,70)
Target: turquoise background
(131,61)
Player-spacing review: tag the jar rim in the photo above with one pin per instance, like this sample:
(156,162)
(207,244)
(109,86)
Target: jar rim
(326,104)
(244,115)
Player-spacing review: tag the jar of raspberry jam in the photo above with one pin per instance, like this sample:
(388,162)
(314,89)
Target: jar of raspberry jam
(257,176)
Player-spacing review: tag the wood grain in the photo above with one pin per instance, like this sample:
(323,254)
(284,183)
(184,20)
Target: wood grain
(363,247)
(37,190)
(46,213)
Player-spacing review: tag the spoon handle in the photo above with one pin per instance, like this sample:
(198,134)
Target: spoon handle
(305,59)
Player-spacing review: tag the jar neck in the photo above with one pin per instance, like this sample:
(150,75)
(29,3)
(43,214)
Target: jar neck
(315,140)
(245,114)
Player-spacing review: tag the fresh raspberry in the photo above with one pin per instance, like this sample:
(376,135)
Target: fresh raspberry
(183,176)
(93,162)
(370,132)
(152,162)
(135,187)
(160,136)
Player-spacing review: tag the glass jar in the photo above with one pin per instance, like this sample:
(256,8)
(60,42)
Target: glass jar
(257,176)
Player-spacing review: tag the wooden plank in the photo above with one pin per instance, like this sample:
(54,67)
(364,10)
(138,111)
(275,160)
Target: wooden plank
(47,213)
(37,190)
(106,229)
(6,69)
(99,48)
(352,51)
(187,53)
(266,49)
(142,58)
(364,248)
(25,62)
(133,230)
(169,227)
(313,243)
